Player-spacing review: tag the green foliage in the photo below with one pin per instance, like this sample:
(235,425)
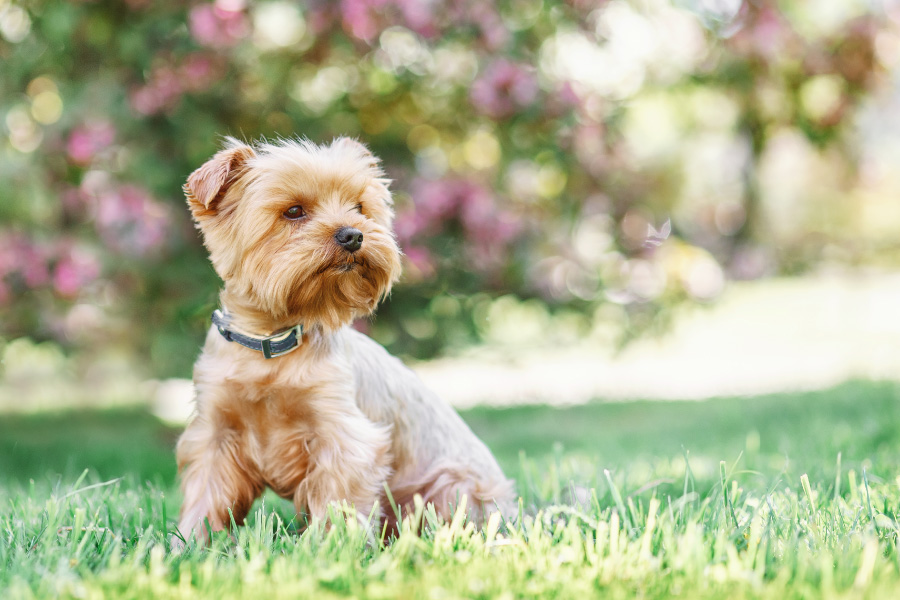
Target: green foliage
(578,154)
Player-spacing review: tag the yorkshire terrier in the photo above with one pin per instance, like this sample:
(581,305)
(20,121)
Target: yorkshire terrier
(288,395)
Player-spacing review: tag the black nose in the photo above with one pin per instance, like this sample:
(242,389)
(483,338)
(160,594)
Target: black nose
(349,238)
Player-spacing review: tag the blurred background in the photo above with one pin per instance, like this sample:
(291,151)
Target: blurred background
(596,199)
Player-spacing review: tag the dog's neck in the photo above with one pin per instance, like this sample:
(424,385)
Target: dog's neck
(247,318)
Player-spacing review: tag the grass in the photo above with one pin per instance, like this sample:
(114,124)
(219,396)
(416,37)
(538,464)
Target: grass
(786,496)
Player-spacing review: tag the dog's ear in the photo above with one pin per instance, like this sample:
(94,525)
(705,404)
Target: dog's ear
(357,148)
(208,184)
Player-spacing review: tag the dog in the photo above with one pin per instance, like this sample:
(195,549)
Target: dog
(288,395)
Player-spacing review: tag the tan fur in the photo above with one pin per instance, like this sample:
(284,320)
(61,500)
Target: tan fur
(339,417)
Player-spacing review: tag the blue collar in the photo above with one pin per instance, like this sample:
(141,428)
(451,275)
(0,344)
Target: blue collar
(272,346)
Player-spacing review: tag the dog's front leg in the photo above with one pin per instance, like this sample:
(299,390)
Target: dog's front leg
(215,477)
(349,460)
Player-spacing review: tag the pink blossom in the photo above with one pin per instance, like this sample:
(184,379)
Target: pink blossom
(168,81)
(419,17)
(29,264)
(366,19)
(410,224)
(33,267)
(199,71)
(129,220)
(484,223)
(483,17)
(321,15)
(74,269)
(494,33)
(503,89)
(438,199)
(563,100)
(488,229)
(161,94)
(419,257)
(22,257)
(71,199)
(589,144)
(762,32)
(360,17)
(86,141)
(219,25)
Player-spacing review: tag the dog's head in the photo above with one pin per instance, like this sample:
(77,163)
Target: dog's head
(299,232)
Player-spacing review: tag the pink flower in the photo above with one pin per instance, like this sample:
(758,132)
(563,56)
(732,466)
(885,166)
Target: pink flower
(321,15)
(482,17)
(487,228)
(168,81)
(33,267)
(419,17)
(360,17)
(761,31)
(503,89)
(409,224)
(22,257)
(26,263)
(74,269)
(199,71)
(421,261)
(366,19)
(86,141)
(219,25)
(161,94)
(494,33)
(589,143)
(129,220)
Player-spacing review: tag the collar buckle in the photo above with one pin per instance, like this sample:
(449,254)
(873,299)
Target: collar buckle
(266,342)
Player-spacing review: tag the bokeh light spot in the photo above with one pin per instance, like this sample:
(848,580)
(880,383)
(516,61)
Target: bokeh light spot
(445,306)
(47,107)
(321,90)
(551,181)
(373,120)
(24,135)
(821,96)
(277,25)
(15,24)
(482,150)
(421,137)
(41,84)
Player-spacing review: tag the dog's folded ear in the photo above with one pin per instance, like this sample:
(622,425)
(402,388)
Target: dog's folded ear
(208,184)
(357,148)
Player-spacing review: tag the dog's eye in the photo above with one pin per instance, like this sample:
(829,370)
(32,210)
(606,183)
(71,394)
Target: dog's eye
(295,212)
(359,207)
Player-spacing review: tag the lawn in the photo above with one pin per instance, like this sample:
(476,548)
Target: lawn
(783,496)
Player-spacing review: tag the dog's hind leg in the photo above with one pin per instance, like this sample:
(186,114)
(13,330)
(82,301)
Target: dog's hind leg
(445,484)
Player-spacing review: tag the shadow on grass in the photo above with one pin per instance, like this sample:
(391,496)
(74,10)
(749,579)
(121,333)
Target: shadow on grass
(861,420)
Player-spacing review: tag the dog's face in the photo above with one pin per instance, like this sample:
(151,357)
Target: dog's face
(300,232)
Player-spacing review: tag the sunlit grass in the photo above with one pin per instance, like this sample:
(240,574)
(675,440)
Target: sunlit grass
(753,498)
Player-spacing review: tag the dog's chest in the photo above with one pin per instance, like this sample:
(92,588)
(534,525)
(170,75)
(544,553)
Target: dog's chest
(279,426)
